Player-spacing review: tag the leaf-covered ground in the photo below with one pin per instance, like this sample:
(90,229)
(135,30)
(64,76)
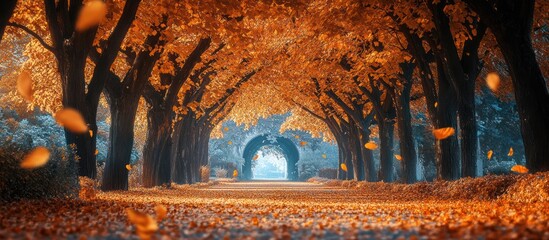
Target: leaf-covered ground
(262,210)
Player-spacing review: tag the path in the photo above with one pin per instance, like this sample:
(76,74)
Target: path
(265,209)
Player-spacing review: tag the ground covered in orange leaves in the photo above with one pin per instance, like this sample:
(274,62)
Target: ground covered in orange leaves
(263,210)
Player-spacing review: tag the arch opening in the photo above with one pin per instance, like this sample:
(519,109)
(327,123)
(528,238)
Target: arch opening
(286,147)
(270,164)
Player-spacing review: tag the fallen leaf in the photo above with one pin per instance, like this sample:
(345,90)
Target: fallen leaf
(71,120)
(344,167)
(493,81)
(145,225)
(91,15)
(519,169)
(161,212)
(24,85)
(36,158)
(370,145)
(443,133)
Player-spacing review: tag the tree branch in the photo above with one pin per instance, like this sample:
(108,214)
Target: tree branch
(33,34)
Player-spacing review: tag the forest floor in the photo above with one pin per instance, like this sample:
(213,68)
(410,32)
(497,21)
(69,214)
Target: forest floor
(263,210)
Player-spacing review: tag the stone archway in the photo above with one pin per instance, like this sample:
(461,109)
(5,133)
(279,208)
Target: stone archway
(289,150)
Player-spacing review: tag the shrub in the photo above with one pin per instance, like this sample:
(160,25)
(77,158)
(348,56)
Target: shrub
(57,179)
(329,173)
(204,174)
(220,172)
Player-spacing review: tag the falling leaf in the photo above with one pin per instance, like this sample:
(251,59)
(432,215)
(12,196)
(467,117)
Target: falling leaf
(24,85)
(226,129)
(443,133)
(36,158)
(344,167)
(145,225)
(255,157)
(230,142)
(398,157)
(91,15)
(489,155)
(511,152)
(91,133)
(161,212)
(324,156)
(493,81)
(96,151)
(436,104)
(370,145)
(297,136)
(302,143)
(519,169)
(71,120)
(235,173)
(129,167)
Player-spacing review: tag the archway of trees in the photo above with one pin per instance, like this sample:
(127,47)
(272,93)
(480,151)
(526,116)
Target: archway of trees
(351,72)
(286,145)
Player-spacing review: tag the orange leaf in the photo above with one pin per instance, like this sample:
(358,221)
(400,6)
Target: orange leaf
(443,133)
(129,167)
(144,223)
(398,157)
(344,167)
(324,156)
(36,158)
(370,145)
(297,136)
(230,142)
(24,85)
(91,133)
(226,129)
(519,169)
(71,120)
(489,155)
(96,151)
(493,81)
(255,157)
(302,143)
(511,152)
(235,173)
(91,15)
(161,212)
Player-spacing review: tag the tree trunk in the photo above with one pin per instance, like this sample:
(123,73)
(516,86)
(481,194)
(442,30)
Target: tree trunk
(368,158)
(405,135)
(386,131)
(468,131)
(157,149)
(356,153)
(448,161)
(530,93)
(5,14)
(115,174)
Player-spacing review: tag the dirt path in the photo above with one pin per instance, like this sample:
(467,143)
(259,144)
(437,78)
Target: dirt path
(263,209)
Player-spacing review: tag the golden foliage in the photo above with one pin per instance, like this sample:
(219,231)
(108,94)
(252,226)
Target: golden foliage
(36,158)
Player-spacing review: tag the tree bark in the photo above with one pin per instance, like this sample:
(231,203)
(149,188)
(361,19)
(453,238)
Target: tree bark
(511,22)
(405,133)
(5,14)
(157,149)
